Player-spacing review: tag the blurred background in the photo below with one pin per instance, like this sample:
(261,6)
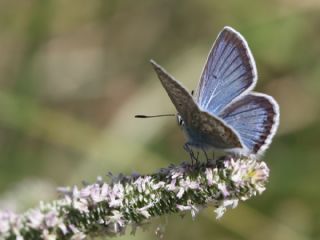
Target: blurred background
(74,73)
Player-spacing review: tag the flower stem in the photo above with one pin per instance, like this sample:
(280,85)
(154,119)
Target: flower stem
(108,208)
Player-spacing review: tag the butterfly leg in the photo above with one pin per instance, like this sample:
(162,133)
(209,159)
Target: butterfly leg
(197,158)
(188,149)
(220,162)
(206,155)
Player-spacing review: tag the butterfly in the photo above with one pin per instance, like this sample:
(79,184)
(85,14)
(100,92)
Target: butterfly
(224,113)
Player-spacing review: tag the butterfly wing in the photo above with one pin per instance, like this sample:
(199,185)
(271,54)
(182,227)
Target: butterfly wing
(180,97)
(210,131)
(229,72)
(255,117)
(202,127)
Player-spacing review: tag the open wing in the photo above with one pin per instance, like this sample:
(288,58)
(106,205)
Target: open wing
(255,117)
(179,96)
(229,72)
(206,128)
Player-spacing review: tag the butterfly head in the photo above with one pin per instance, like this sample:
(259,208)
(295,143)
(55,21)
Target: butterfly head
(180,121)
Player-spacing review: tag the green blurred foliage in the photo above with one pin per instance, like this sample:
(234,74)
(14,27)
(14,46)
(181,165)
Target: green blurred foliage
(73,74)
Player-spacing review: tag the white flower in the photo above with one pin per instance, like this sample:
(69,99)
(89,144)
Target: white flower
(236,178)
(190,207)
(47,236)
(260,189)
(51,218)
(209,176)
(233,203)
(260,173)
(142,182)
(73,228)
(35,218)
(220,211)
(177,172)
(4,226)
(223,189)
(99,180)
(78,236)
(19,237)
(116,195)
(4,221)
(115,202)
(158,185)
(105,190)
(172,186)
(64,190)
(75,192)
(10,221)
(63,228)
(183,208)
(223,206)
(139,184)
(116,220)
(81,204)
(184,185)
(98,194)
(144,210)
(180,193)
(85,192)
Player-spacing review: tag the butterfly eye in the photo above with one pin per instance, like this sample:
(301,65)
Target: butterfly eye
(179,120)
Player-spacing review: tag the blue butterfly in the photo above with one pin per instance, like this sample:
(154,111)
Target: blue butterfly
(224,113)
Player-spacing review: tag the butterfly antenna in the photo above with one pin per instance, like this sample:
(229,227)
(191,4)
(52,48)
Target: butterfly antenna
(153,116)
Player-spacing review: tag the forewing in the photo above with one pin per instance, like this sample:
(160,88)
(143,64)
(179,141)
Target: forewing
(229,71)
(179,96)
(255,117)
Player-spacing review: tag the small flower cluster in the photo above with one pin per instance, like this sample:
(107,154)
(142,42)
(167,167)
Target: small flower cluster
(108,208)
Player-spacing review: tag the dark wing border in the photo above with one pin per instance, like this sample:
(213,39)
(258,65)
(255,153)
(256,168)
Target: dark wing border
(273,119)
(236,39)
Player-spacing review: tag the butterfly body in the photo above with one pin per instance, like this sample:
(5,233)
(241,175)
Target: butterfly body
(225,114)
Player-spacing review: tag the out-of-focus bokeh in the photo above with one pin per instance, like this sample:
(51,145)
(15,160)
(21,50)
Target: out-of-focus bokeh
(74,73)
